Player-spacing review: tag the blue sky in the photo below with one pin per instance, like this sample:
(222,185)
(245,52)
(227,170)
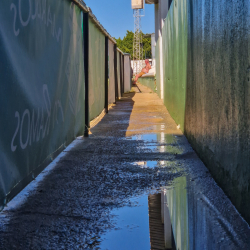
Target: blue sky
(116,16)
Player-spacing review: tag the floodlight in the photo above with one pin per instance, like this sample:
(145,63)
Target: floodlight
(137,4)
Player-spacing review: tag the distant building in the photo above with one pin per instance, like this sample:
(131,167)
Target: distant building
(161,11)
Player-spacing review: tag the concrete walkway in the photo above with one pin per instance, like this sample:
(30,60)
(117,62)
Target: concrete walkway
(136,149)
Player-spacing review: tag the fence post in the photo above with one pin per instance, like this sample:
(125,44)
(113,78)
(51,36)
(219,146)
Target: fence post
(106,73)
(86,70)
(116,77)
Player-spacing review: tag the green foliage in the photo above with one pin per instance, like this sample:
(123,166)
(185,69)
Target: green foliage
(126,44)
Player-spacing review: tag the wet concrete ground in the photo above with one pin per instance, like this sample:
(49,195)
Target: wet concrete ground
(96,196)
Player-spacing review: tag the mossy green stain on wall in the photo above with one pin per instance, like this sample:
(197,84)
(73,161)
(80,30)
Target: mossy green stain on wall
(149,82)
(174,35)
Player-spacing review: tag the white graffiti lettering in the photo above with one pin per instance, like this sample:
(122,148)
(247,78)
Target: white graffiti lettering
(49,18)
(13,6)
(24,145)
(13,147)
(37,9)
(24,23)
(34,127)
(44,11)
(57,105)
(48,107)
(58,35)
(37,125)
(35,14)
(42,127)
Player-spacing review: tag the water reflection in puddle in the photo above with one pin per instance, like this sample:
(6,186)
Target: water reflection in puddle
(175,217)
(150,164)
(183,215)
(159,142)
(196,221)
(131,227)
(158,137)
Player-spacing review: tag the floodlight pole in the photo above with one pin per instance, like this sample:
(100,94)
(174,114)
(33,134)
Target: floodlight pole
(137,50)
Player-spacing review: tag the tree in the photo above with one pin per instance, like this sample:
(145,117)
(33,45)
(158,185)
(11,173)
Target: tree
(126,44)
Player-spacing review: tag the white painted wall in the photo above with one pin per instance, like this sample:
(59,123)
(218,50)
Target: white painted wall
(161,11)
(153,46)
(156,22)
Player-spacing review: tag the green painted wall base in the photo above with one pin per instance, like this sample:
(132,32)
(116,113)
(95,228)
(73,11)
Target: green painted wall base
(149,82)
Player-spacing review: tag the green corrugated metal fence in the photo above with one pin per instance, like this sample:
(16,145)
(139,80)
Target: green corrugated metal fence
(42,97)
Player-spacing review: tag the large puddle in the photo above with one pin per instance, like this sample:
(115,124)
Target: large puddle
(182,215)
(139,193)
(131,227)
(176,217)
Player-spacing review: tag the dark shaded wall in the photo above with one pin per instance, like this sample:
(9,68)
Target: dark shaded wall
(42,82)
(215,87)
(217,104)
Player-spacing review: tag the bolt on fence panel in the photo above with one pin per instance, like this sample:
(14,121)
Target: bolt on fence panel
(42,97)
(96,71)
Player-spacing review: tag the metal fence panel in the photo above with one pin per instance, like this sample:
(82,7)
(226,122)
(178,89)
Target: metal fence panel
(175,62)
(119,73)
(111,92)
(42,86)
(96,71)
(127,73)
(122,73)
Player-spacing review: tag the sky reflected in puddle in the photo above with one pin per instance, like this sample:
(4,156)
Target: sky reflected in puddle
(175,217)
(158,137)
(189,213)
(159,142)
(150,164)
(131,227)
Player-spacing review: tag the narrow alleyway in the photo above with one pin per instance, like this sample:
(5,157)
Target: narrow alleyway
(96,195)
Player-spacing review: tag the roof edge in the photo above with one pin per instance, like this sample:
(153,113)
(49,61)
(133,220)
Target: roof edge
(81,5)
(151,1)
